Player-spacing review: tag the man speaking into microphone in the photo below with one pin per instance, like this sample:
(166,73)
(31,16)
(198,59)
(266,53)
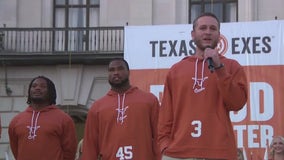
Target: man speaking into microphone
(199,93)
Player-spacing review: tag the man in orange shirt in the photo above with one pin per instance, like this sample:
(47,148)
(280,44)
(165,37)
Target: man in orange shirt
(194,120)
(122,125)
(42,131)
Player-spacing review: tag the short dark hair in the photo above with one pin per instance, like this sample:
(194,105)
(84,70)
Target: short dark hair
(203,15)
(120,59)
(50,87)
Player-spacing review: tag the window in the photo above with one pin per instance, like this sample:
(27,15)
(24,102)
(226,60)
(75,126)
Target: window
(76,13)
(73,18)
(225,10)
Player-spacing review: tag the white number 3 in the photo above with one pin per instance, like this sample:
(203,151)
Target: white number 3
(124,153)
(197,128)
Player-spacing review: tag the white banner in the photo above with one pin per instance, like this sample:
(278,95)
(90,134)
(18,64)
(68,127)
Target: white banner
(250,43)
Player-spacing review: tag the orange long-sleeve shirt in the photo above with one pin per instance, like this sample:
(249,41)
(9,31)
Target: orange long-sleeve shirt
(47,134)
(194,117)
(122,126)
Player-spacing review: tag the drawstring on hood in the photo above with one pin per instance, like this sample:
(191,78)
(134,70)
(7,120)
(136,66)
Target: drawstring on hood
(121,110)
(198,82)
(33,127)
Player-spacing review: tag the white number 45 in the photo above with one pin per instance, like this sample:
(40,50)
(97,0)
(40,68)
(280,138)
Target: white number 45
(124,153)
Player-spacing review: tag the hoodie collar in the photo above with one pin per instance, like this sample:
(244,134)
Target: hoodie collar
(130,90)
(47,108)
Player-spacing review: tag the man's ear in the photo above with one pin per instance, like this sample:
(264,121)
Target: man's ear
(192,35)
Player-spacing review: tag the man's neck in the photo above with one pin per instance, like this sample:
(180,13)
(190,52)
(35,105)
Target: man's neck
(39,106)
(199,53)
(121,89)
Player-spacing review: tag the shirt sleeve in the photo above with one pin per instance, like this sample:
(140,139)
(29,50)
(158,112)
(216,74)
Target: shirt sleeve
(13,139)
(165,121)
(233,86)
(69,140)
(154,119)
(90,144)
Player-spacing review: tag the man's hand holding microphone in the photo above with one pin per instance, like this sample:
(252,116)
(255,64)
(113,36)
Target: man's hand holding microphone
(212,57)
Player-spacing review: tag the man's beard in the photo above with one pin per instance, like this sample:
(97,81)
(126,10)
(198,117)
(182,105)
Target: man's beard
(199,45)
(37,100)
(119,85)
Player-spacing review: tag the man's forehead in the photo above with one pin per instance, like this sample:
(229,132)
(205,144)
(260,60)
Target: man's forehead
(207,20)
(39,80)
(117,63)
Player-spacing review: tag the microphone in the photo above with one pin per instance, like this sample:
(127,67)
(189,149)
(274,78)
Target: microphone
(210,64)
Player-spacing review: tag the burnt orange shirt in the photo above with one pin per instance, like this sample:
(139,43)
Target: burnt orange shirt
(194,117)
(122,126)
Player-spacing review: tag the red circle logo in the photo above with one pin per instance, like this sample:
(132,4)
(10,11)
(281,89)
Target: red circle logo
(222,45)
